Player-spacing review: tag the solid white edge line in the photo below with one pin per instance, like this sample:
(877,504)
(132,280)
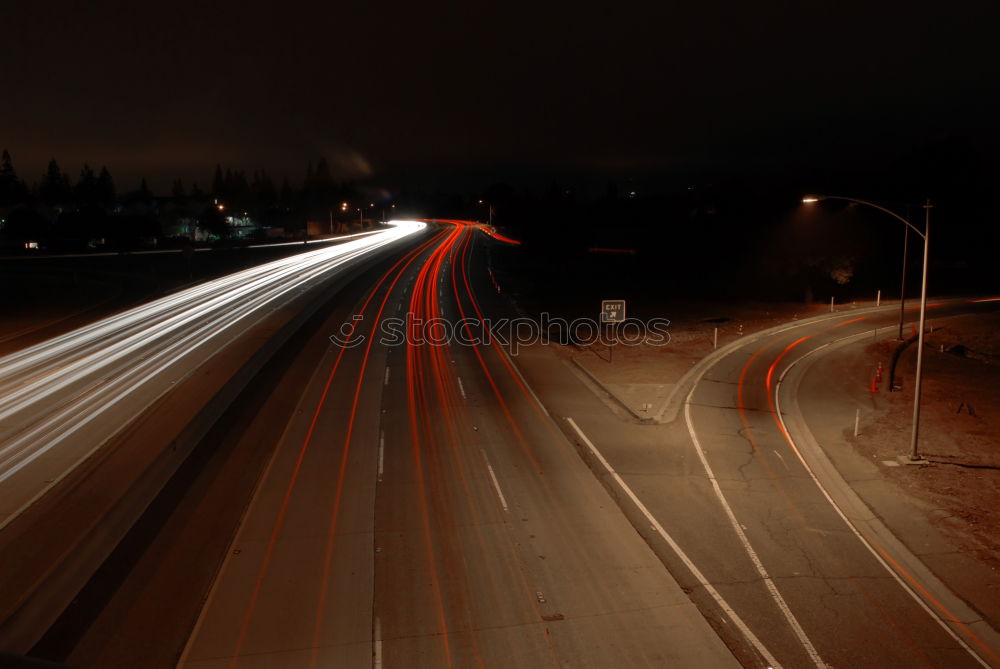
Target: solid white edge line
(747,547)
(496,483)
(381,454)
(51,483)
(703,365)
(709,588)
(524,381)
(906,586)
(377,644)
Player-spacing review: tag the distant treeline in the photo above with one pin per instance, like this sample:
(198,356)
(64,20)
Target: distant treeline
(60,213)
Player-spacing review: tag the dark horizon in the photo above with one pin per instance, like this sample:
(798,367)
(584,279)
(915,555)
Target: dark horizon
(435,97)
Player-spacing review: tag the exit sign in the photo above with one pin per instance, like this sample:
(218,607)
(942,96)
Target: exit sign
(612,311)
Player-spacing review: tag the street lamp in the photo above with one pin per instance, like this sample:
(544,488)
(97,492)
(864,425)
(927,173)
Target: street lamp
(914,453)
(489,210)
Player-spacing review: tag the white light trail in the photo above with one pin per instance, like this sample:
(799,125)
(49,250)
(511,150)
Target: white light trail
(57,397)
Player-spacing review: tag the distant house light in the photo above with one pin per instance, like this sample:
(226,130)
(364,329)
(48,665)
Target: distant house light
(31,245)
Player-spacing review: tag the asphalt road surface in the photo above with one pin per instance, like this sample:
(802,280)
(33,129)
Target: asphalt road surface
(744,524)
(63,399)
(422,510)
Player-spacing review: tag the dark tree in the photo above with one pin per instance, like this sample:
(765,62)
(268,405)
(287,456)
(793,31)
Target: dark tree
(76,229)
(86,191)
(24,224)
(11,189)
(286,198)
(218,183)
(263,190)
(310,182)
(177,191)
(213,221)
(105,189)
(54,188)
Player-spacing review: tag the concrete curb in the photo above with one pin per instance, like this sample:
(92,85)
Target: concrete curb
(645,420)
(668,414)
(870,526)
(44,601)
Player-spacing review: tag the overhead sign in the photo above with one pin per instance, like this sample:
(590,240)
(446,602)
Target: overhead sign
(612,311)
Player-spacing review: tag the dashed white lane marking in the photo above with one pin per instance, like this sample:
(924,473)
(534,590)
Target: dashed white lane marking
(655,524)
(782,458)
(386,376)
(758,565)
(461,388)
(496,483)
(377,643)
(941,621)
(381,455)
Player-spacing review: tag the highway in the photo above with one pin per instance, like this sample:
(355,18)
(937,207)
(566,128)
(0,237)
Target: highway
(63,399)
(749,518)
(422,509)
(426,499)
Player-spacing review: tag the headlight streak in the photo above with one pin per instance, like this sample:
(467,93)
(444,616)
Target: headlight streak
(51,391)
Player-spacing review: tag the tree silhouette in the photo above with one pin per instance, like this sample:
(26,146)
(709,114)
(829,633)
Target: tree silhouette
(143,196)
(212,221)
(286,198)
(25,224)
(218,184)
(85,191)
(54,188)
(11,188)
(105,189)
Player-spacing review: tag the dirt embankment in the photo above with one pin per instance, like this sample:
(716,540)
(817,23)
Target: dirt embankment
(959,431)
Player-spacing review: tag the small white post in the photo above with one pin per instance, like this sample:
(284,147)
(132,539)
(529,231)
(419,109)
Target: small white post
(715,339)
(831,304)
(857,421)
(878,298)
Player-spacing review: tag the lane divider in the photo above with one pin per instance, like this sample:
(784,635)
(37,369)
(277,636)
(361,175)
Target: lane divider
(496,483)
(655,524)
(881,555)
(779,600)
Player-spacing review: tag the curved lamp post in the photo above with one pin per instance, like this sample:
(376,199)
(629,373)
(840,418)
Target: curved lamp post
(914,452)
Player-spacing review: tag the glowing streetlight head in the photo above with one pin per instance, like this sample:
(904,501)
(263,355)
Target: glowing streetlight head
(809,199)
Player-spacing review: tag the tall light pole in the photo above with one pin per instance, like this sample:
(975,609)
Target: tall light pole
(489,210)
(902,284)
(925,235)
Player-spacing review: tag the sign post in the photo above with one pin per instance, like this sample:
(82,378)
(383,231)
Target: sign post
(612,312)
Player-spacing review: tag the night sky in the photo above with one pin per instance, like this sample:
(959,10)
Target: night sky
(418,91)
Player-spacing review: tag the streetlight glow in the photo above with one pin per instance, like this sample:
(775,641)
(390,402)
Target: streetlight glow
(918,376)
